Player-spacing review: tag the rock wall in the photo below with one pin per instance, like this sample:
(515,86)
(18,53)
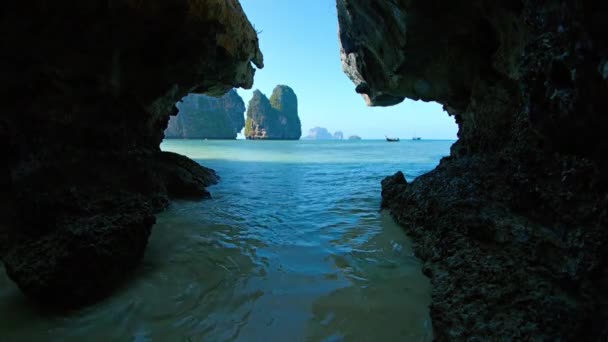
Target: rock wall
(275,118)
(88,87)
(207,117)
(512,226)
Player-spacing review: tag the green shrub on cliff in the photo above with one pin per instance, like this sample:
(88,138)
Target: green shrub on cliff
(249,127)
(276,118)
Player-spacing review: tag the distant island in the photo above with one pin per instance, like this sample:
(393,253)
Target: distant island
(354,137)
(206,117)
(321,133)
(274,119)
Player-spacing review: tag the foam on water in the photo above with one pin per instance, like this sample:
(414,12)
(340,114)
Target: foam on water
(292,245)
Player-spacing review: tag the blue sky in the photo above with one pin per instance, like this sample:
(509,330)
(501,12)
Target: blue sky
(299,40)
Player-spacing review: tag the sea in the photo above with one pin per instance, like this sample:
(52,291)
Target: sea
(292,246)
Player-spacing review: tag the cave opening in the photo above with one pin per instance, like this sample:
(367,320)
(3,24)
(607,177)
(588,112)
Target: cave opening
(510,228)
(312,63)
(292,237)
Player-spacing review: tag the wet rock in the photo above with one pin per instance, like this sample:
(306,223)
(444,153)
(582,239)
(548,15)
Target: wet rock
(512,226)
(82,259)
(83,119)
(392,186)
(184,178)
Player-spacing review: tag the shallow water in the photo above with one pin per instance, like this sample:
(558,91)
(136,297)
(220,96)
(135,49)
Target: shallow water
(292,246)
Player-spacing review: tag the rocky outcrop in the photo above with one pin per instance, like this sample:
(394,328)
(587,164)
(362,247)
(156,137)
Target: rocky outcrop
(274,119)
(338,135)
(88,88)
(354,137)
(512,226)
(206,117)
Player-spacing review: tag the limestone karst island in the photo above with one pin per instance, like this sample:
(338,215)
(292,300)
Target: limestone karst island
(420,170)
(206,117)
(275,118)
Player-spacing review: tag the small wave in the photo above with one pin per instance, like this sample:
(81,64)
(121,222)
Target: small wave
(292,244)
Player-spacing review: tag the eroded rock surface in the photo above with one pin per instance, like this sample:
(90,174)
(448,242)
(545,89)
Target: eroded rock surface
(512,226)
(275,118)
(207,117)
(88,88)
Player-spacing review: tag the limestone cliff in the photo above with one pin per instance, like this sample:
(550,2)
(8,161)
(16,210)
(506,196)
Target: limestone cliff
(512,227)
(88,87)
(207,117)
(274,119)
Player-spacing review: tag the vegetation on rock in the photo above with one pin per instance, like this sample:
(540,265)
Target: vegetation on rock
(275,118)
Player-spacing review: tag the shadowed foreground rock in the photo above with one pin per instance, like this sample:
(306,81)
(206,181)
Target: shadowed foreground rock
(513,225)
(88,88)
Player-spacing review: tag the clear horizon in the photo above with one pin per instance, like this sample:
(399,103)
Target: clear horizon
(300,44)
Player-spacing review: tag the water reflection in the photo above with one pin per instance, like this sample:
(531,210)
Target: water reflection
(285,250)
(386,299)
(193,283)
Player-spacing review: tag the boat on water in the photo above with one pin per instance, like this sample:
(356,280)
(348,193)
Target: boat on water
(416,138)
(391,139)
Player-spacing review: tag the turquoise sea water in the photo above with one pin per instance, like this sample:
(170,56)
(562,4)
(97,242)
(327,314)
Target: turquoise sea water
(292,247)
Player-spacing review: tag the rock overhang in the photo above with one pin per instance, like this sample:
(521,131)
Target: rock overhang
(90,86)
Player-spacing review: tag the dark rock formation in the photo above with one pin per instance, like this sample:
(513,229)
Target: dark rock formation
(88,88)
(274,119)
(338,135)
(319,133)
(207,117)
(354,137)
(512,227)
